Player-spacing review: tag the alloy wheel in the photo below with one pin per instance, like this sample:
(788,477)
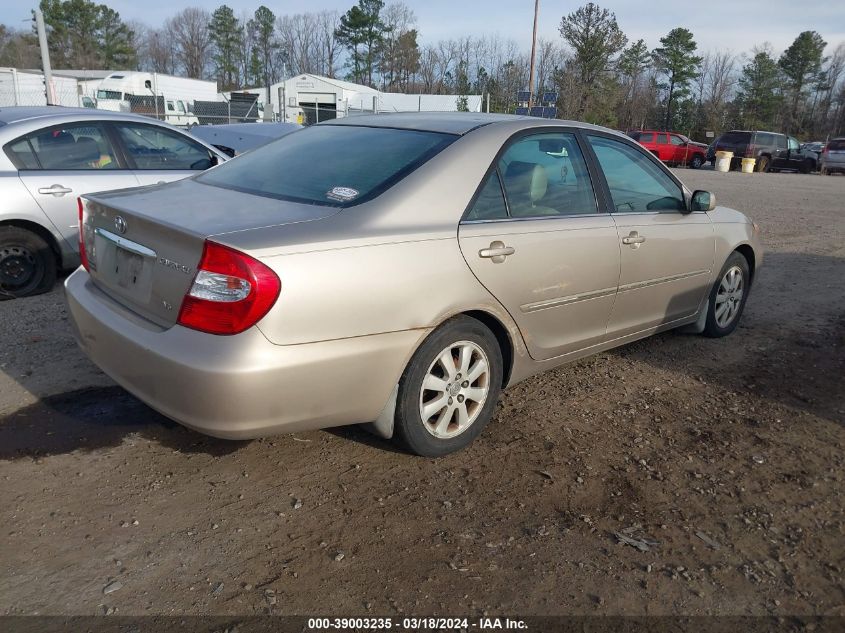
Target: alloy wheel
(729,296)
(454,389)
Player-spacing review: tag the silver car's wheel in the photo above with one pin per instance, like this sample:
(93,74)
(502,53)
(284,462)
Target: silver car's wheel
(454,390)
(448,392)
(729,296)
(27,264)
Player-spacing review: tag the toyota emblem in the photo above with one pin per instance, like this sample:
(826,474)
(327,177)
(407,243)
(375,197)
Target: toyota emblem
(120,224)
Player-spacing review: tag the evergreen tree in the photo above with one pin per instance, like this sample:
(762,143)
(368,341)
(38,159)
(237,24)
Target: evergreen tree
(677,60)
(226,34)
(759,96)
(361,30)
(801,64)
(596,39)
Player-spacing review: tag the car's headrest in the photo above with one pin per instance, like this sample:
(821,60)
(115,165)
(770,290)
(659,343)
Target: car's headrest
(86,149)
(527,179)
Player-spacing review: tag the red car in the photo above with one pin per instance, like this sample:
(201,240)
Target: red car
(671,148)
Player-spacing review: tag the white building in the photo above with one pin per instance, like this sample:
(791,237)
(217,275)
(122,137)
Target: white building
(310,98)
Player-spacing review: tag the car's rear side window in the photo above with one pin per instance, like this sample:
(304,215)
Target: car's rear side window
(735,138)
(837,144)
(336,165)
(21,154)
(77,146)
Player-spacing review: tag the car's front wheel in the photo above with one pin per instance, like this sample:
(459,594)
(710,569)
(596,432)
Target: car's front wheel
(27,263)
(727,297)
(448,391)
(696,162)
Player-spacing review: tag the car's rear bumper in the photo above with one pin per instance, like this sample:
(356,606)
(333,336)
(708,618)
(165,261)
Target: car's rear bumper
(240,386)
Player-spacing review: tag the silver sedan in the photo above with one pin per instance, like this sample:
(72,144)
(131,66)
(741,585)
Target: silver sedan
(52,155)
(397,270)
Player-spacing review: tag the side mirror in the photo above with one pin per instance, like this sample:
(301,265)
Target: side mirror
(702,201)
(148,84)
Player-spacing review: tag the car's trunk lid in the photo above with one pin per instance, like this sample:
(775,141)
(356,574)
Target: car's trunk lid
(144,244)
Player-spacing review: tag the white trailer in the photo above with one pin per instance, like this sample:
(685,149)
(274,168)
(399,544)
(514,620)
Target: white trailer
(165,96)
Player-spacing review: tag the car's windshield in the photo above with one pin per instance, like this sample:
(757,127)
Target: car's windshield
(336,165)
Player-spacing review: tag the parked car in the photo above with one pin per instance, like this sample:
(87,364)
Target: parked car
(672,148)
(52,155)
(403,284)
(236,138)
(813,153)
(771,150)
(833,157)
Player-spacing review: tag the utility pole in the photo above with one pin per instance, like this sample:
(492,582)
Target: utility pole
(533,52)
(45,57)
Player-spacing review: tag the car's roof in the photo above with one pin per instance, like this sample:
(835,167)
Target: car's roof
(16,114)
(447,122)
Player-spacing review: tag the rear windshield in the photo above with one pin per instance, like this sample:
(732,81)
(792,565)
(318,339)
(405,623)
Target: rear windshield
(836,144)
(335,165)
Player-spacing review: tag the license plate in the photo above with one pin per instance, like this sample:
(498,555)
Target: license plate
(128,268)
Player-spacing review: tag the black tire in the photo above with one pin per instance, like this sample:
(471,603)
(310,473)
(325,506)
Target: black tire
(763,164)
(808,166)
(27,263)
(713,328)
(823,171)
(697,161)
(409,428)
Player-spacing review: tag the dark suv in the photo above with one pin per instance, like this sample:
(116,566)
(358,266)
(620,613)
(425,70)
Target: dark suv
(772,151)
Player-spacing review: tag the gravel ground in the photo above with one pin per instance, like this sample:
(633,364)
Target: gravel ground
(676,475)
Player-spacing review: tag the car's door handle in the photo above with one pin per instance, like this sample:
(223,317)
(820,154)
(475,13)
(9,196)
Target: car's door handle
(497,251)
(56,190)
(634,239)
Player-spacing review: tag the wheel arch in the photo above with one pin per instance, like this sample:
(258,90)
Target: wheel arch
(748,253)
(40,231)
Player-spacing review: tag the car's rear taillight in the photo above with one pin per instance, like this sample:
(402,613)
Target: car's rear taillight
(83,253)
(231,292)
(825,151)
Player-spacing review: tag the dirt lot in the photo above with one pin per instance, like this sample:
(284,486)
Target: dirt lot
(727,453)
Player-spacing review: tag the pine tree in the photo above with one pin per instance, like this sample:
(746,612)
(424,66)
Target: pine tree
(677,60)
(226,34)
(759,96)
(361,30)
(801,64)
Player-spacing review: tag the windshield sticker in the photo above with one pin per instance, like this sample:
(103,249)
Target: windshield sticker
(342,194)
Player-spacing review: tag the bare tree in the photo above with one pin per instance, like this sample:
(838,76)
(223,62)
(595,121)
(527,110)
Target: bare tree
(192,43)
(327,45)
(719,83)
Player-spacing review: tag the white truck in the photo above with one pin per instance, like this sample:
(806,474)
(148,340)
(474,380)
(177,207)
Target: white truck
(166,97)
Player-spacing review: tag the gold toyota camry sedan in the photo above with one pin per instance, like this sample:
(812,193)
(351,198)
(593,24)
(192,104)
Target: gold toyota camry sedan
(397,270)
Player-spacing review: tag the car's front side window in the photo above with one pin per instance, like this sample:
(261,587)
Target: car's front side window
(636,184)
(80,146)
(546,175)
(153,147)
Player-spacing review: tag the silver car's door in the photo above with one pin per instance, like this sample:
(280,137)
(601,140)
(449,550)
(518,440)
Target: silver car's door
(158,154)
(667,252)
(67,161)
(534,237)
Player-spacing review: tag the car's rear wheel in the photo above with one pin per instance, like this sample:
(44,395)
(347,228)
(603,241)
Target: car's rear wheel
(727,297)
(448,391)
(27,263)
(763,164)
(697,161)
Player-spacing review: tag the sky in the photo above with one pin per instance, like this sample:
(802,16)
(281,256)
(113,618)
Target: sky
(735,25)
